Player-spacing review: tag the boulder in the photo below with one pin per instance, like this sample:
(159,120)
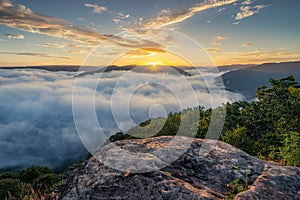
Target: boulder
(204,170)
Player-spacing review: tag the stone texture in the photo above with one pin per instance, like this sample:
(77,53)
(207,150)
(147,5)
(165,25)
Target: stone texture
(195,175)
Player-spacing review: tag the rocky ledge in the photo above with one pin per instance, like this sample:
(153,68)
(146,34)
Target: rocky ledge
(196,174)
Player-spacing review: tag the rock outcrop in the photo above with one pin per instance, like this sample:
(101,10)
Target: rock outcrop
(192,176)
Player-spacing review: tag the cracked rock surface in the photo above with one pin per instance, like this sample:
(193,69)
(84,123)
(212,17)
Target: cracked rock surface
(198,173)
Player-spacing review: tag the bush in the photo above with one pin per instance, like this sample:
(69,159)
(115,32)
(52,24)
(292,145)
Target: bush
(242,140)
(10,187)
(8,174)
(290,152)
(29,174)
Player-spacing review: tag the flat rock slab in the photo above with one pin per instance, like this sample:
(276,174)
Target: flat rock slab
(203,170)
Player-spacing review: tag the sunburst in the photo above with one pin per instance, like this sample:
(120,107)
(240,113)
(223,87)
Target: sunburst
(154,66)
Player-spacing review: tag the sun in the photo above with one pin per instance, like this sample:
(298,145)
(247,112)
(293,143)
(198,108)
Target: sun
(154,65)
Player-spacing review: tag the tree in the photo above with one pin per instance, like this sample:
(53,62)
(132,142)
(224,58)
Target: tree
(240,138)
(290,151)
(10,187)
(276,109)
(31,173)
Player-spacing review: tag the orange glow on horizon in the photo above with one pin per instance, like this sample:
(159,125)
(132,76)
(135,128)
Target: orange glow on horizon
(154,60)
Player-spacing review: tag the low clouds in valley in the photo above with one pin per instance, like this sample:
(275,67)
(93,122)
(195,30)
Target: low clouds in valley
(36,119)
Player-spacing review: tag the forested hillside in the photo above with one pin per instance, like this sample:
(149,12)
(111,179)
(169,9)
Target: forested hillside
(268,128)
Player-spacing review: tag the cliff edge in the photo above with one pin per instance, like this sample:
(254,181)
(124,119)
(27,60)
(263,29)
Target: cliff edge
(192,176)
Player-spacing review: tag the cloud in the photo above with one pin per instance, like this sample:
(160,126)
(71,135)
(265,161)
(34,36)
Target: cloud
(144,52)
(154,50)
(221,9)
(213,50)
(117,21)
(247,2)
(247,44)
(96,9)
(216,43)
(69,47)
(76,51)
(52,45)
(217,40)
(36,119)
(22,18)
(15,36)
(221,38)
(246,10)
(5,4)
(167,17)
(257,57)
(34,54)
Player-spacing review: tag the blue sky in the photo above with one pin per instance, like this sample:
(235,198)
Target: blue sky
(35,32)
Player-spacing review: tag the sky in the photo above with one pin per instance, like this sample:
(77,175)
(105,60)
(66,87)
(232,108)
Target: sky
(102,32)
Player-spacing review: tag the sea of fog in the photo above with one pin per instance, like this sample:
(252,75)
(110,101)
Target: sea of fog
(36,119)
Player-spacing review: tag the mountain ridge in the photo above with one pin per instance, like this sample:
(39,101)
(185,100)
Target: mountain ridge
(247,80)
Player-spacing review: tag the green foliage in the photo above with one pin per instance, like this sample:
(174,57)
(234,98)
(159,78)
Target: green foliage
(120,136)
(45,181)
(183,123)
(271,120)
(8,174)
(268,128)
(240,138)
(34,182)
(277,109)
(234,188)
(31,173)
(234,117)
(9,187)
(290,151)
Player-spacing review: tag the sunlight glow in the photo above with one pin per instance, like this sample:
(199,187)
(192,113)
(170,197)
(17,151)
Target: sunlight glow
(154,65)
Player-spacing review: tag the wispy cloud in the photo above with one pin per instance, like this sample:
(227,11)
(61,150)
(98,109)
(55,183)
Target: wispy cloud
(213,50)
(247,2)
(221,9)
(96,8)
(221,38)
(52,45)
(217,40)
(22,18)
(76,51)
(15,36)
(247,44)
(34,54)
(257,56)
(167,17)
(246,10)
(145,52)
(69,47)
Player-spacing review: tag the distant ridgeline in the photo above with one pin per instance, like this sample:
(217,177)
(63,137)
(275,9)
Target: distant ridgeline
(243,79)
(268,128)
(88,70)
(246,79)
(139,69)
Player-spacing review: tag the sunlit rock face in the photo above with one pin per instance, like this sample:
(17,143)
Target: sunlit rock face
(204,171)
